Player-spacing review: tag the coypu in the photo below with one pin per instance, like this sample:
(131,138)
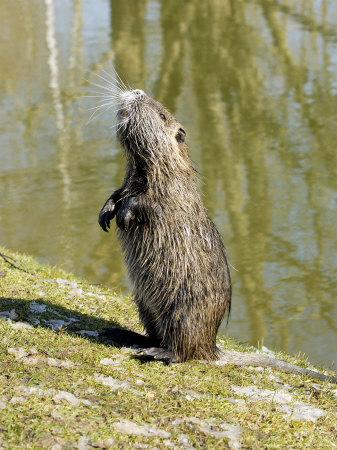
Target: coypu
(174,253)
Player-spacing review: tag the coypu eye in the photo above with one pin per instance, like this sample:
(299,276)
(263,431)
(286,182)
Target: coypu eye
(180,136)
(163,116)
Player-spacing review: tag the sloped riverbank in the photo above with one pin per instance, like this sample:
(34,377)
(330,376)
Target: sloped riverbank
(62,386)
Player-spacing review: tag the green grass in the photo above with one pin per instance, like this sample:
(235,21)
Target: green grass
(153,394)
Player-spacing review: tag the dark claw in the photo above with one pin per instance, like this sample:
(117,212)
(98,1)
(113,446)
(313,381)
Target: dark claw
(123,218)
(106,214)
(127,213)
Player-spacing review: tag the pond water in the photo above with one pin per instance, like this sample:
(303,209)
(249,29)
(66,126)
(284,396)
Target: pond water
(255,85)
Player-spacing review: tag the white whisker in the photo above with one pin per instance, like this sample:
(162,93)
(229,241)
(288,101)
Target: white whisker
(94,115)
(122,82)
(100,86)
(115,81)
(111,85)
(102,106)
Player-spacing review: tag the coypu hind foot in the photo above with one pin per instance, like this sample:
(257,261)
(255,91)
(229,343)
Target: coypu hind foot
(159,354)
(147,346)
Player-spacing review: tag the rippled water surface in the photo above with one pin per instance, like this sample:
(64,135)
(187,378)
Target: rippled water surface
(255,85)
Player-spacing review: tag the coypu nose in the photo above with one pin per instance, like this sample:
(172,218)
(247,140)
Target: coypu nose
(138,92)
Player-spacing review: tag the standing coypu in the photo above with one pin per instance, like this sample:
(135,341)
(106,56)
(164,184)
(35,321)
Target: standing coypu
(173,251)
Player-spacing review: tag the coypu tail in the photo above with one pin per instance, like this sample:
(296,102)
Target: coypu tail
(251,359)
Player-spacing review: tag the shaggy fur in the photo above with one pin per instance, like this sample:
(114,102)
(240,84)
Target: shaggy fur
(173,251)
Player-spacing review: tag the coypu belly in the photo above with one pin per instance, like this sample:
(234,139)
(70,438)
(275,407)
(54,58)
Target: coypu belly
(178,264)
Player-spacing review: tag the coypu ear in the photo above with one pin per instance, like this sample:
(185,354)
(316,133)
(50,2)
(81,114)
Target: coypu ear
(181,135)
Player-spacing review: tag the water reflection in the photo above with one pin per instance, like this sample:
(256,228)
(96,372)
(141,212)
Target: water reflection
(255,85)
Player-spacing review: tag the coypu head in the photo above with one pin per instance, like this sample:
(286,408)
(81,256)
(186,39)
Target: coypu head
(148,131)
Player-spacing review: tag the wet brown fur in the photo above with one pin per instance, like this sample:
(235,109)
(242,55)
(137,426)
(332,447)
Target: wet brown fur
(173,251)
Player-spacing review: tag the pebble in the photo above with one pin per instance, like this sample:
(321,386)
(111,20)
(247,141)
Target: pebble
(302,411)
(113,383)
(128,427)
(37,308)
(254,394)
(89,333)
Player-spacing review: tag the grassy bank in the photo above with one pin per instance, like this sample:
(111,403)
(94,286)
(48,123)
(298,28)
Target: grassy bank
(62,386)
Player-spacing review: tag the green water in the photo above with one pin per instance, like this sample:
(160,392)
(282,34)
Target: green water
(255,85)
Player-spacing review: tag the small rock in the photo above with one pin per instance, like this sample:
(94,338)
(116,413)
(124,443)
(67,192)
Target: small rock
(9,314)
(13,315)
(254,394)
(32,390)
(63,282)
(37,308)
(109,443)
(18,352)
(184,442)
(70,398)
(76,291)
(190,394)
(112,382)
(227,430)
(188,419)
(59,363)
(17,400)
(302,411)
(108,361)
(168,443)
(34,321)
(58,396)
(83,443)
(89,333)
(56,324)
(105,444)
(21,354)
(20,325)
(128,427)
(140,382)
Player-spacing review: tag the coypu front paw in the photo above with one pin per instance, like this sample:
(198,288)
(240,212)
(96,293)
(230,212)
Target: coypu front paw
(127,213)
(106,214)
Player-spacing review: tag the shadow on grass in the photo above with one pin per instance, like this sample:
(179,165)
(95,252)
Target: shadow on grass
(55,314)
